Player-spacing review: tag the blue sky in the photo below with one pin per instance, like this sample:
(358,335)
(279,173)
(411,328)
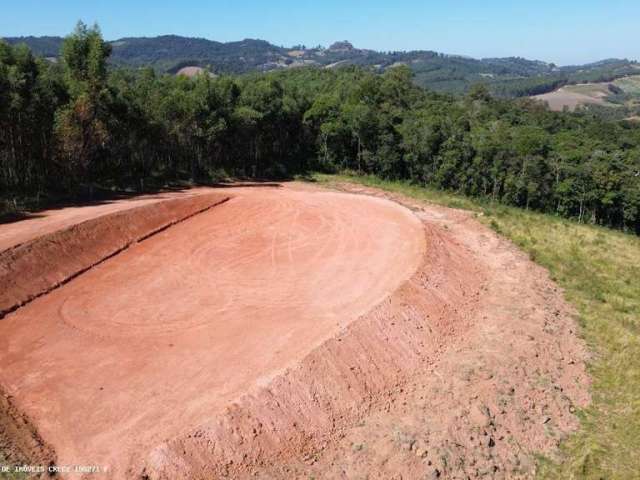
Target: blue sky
(562,31)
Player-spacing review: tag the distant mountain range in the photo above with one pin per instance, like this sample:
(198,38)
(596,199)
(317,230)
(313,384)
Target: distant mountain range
(448,73)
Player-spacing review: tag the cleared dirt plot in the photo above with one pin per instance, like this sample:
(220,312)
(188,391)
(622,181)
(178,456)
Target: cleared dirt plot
(572,96)
(294,332)
(157,339)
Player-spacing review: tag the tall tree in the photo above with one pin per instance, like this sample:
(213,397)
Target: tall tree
(81,127)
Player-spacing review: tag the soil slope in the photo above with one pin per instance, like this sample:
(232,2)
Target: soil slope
(38,266)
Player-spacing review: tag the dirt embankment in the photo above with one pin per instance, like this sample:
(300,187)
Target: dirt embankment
(339,382)
(20,442)
(36,267)
(468,370)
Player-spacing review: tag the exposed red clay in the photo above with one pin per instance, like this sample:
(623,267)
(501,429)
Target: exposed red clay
(503,377)
(157,341)
(469,369)
(36,267)
(56,219)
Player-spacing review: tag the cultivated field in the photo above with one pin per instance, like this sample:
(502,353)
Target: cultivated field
(630,85)
(573,96)
(193,71)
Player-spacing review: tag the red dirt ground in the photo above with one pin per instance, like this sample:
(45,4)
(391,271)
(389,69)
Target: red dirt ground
(296,333)
(468,370)
(160,338)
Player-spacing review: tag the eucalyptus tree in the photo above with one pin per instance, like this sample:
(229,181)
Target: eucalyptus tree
(82,125)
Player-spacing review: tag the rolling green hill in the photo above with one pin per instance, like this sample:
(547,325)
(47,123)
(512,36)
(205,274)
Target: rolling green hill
(508,77)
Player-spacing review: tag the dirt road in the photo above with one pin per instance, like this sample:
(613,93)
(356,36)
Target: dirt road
(159,339)
(47,221)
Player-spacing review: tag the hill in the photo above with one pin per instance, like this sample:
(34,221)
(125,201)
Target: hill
(509,77)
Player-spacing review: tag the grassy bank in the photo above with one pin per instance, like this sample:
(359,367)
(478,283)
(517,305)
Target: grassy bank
(10,475)
(600,272)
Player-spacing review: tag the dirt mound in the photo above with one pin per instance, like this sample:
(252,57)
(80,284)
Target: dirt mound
(20,443)
(34,268)
(468,370)
(339,382)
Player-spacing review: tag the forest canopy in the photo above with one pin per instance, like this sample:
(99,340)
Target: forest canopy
(79,124)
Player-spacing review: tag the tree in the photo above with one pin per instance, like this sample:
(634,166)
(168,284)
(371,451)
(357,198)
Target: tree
(81,127)
(83,122)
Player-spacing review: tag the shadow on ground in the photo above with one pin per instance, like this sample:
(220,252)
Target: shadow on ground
(101,197)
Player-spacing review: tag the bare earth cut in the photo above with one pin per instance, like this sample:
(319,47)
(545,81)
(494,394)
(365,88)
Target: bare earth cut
(574,96)
(293,332)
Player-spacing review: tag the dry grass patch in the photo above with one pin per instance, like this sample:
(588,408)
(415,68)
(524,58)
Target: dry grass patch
(630,85)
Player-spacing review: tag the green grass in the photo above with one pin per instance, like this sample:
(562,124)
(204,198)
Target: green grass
(630,85)
(590,89)
(599,270)
(12,475)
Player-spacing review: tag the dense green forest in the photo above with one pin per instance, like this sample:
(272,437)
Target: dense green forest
(76,125)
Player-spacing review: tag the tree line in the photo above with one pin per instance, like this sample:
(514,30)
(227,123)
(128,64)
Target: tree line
(76,125)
